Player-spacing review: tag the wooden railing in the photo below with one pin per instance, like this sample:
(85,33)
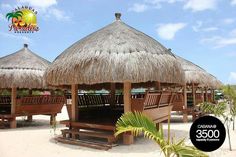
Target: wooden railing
(199,98)
(178,102)
(33,105)
(156,105)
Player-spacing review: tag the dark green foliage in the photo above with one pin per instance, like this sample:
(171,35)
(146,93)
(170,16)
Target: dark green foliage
(137,124)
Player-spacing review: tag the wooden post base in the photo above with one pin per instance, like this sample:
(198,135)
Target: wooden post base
(13,123)
(53,119)
(128,138)
(29,118)
(185,117)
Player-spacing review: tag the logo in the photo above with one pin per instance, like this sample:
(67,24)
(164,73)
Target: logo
(207,133)
(23,20)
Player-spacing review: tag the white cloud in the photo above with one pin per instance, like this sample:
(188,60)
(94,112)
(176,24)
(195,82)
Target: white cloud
(197,27)
(232,78)
(233,2)
(231,54)
(43,4)
(209,29)
(48,9)
(59,14)
(228,21)
(168,31)
(150,4)
(220,41)
(16,37)
(233,33)
(200,5)
(138,8)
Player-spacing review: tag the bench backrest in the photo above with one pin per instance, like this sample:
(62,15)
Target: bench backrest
(152,100)
(38,100)
(5,100)
(92,100)
(157,99)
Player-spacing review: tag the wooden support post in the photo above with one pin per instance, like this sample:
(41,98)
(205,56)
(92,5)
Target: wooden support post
(128,138)
(113,94)
(185,107)
(202,95)
(206,99)
(194,95)
(30,92)
(53,119)
(30,118)
(158,85)
(52,92)
(13,106)
(213,95)
(74,106)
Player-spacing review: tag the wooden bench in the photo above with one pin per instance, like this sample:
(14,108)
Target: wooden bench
(36,105)
(32,105)
(67,133)
(156,105)
(82,129)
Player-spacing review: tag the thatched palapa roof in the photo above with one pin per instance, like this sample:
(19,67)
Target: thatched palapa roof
(115,53)
(22,69)
(197,75)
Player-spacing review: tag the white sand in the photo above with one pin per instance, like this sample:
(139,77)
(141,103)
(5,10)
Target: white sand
(36,140)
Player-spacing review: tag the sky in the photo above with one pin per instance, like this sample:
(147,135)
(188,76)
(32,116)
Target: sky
(202,31)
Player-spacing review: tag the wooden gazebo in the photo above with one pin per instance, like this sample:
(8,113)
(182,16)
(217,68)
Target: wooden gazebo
(115,57)
(24,70)
(199,87)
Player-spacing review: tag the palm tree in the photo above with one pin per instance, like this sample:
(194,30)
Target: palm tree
(137,123)
(14,16)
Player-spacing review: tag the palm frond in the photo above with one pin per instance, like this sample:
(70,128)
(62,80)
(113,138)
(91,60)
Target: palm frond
(9,15)
(19,12)
(18,15)
(137,123)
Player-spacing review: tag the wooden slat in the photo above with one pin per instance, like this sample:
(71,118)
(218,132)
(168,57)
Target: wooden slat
(93,126)
(94,145)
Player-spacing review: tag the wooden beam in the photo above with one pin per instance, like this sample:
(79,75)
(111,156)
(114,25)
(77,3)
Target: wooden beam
(128,138)
(194,94)
(113,94)
(158,85)
(185,114)
(30,92)
(202,95)
(127,97)
(206,99)
(213,95)
(52,92)
(74,106)
(13,106)
(30,118)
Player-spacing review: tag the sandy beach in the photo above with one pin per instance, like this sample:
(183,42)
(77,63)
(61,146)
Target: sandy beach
(37,139)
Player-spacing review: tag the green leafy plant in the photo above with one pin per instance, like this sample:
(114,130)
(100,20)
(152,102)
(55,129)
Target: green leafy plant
(137,123)
(220,110)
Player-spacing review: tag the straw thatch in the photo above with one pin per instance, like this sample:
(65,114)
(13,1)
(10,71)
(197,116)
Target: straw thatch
(115,53)
(215,83)
(22,69)
(194,74)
